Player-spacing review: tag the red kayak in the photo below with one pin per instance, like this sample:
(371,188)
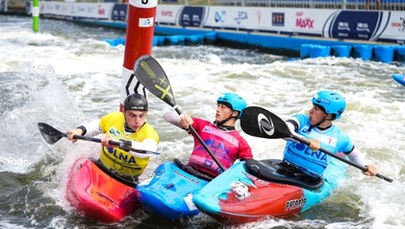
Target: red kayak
(97,195)
(252,190)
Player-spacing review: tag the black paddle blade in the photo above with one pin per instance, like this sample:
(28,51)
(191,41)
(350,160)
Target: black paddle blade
(152,76)
(259,122)
(50,134)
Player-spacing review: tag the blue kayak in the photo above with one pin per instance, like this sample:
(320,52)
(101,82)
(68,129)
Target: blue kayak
(169,193)
(399,78)
(252,190)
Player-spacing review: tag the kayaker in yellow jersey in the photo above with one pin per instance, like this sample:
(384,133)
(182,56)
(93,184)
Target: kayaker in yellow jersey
(129,126)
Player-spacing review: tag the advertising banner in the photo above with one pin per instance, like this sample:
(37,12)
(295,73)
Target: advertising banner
(77,9)
(388,26)
(167,15)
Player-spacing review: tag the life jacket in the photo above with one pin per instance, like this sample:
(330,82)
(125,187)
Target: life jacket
(314,163)
(121,161)
(227,146)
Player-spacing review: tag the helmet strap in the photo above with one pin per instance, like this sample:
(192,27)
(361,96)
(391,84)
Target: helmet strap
(221,125)
(127,128)
(226,128)
(319,123)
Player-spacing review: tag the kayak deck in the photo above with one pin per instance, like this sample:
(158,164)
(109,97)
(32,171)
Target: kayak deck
(169,193)
(95,194)
(252,190)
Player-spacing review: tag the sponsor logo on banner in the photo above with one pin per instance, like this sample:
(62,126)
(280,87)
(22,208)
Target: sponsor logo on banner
(90,9)
(100,10)
(277,19)
(362,27)
(166,13)
(81,9)
(145,22)
(259,17)
(303,22)
(343,25)
(242,15)
(363,30)
(191,16)
(399,24)
(357,25)
(119,12)
(219,16)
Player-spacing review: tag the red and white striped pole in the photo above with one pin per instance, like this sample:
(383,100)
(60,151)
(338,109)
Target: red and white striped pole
(138,42)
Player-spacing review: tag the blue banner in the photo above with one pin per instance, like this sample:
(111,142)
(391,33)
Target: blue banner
(119,12)
(191,16)
(359,25)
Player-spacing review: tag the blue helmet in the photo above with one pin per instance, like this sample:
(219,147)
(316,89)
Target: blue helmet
(234,101)
(331,102)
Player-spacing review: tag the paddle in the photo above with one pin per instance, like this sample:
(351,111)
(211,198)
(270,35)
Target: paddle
(259,122)
(52,135)
(152,76)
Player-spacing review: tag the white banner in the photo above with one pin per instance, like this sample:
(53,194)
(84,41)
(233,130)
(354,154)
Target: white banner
(328,23)
(77,9)
(168,14)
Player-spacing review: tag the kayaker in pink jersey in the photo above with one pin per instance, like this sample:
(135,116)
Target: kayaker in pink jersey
(224,141)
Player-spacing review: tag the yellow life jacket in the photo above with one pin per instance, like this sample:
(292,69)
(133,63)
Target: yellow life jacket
(119,160)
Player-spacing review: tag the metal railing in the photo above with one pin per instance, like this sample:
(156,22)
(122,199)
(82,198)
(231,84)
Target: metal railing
(396,5)
(320,4)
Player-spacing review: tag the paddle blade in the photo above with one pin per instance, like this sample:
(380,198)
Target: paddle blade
(152,76)
(259,122)
(50,134)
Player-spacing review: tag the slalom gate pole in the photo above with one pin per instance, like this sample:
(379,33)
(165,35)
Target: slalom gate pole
(138,42)
(35,15)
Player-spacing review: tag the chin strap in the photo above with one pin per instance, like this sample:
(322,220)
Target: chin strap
(223,127)
(226,128)
(129,130)
(319,123)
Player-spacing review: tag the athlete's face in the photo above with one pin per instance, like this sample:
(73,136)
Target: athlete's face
(135,119)
(316,115)
(223,112)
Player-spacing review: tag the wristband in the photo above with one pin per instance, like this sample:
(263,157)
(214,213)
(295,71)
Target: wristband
(83,129)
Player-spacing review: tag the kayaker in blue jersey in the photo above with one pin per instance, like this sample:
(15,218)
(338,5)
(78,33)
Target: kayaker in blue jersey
(318,127)
(129,126)
(221,137)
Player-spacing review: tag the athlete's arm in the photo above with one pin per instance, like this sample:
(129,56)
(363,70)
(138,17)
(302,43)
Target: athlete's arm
(147,144)
(90,129)
(174,119)
(357,157)
(293,126)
